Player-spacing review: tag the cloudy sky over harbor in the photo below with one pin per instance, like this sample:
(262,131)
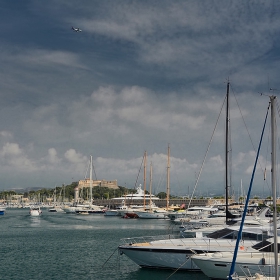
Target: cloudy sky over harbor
(140,75)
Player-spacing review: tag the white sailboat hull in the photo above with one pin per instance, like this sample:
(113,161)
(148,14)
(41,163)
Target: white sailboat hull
(151,215)
(72,209)
(56,210)
(112,213)
(218,265)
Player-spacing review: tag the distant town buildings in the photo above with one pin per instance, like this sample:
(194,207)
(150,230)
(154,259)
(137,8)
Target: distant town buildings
(98,183)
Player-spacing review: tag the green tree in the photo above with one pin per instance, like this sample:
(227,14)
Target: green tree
(96,196)
(162,195)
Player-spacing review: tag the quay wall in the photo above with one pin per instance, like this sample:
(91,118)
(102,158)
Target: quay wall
(113,203)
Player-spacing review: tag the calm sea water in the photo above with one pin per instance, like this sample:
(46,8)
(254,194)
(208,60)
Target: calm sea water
(66,246)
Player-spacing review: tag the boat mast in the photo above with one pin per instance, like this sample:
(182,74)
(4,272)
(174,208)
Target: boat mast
(145,166)
(90,180)
(273,181)
(151,178)
(168,178)
(227,151)
(54,195)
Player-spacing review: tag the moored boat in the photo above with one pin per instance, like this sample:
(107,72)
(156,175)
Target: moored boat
(131,215)
(152,214)
(111,213)
(217,265)
(56,209)
(82,212)
(139,195)
(72,209)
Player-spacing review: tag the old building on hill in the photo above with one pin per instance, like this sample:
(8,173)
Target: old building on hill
(113,184)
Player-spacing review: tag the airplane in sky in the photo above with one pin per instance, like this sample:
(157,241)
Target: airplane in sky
(76,29)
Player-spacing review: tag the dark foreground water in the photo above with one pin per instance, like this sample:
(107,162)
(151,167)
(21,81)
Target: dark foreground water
(66,246)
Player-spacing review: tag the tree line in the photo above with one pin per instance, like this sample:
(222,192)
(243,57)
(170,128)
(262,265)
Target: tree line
(66,193)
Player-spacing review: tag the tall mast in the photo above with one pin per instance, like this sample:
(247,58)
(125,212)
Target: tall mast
(145,166)
(90,180)
(151,179)
(273,181)
(168,178)
(54,195)
(227,151)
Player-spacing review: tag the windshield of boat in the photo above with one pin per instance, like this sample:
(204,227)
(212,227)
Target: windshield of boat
(228,233)
(265,246)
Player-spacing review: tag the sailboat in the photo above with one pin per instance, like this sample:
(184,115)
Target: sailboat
(90,208)
(132,210)
(156,212)
(56,208)
(262,264)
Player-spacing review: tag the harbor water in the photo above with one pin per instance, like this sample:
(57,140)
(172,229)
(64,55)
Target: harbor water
(69,246)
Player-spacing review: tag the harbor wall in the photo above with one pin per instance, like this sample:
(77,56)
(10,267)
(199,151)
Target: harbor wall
(113,203)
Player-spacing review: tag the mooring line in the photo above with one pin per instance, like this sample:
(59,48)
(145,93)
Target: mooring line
(178,268)
(109,257)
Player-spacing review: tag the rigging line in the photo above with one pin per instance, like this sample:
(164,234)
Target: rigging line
(110,257)
(160,181)
(203,162)
(266,160)
(139,172)
(245,126)
(94,172)
(87,170)
(268,153)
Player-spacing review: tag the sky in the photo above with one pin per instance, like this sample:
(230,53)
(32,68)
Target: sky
(140,76)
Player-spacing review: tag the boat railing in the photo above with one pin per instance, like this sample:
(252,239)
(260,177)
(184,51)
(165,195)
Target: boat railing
(206,244)
(148,239)
(227,245)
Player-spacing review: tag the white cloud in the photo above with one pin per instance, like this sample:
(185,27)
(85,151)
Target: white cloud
(11,149)
(48,58)
(14,158)
(73,157)
(52,156)
(6,134)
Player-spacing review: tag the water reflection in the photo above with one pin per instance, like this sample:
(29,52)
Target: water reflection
(35,221)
